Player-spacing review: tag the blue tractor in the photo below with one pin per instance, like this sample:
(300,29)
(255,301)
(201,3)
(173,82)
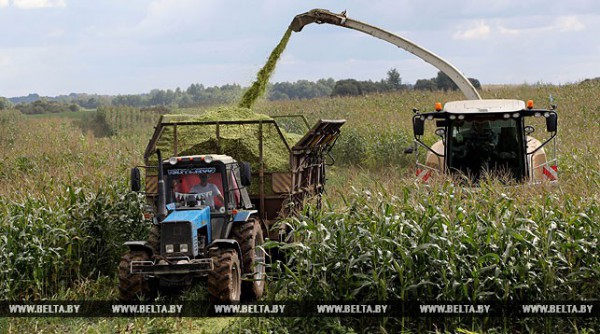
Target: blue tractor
(204,226)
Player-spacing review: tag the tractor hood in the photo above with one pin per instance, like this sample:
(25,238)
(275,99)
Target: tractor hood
(197,217)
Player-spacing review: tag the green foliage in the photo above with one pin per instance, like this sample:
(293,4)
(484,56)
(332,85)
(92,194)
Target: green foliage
(370,149)
(46,107)
(393,79)
(445,244)
(4,103)
(301,89)
(46,246)
(127,121)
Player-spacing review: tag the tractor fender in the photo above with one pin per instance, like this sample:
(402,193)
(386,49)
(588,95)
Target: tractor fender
(243,216)
(228,244)
(140,246)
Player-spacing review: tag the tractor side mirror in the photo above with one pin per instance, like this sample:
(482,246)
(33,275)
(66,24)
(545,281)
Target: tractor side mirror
(418,126)
(440,132)
(136,183)
(245,174)
(529,130)
(551,123)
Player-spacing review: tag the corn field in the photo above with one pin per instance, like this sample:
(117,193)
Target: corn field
(65,210)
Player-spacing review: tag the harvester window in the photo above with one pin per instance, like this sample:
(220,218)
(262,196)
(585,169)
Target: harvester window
(485,143)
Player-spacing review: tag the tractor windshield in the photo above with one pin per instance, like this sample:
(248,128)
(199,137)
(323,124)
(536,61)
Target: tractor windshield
(192,187)
(486,143)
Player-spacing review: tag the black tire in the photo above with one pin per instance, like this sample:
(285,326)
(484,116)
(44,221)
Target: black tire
(224,282)
(154,238)
(245,174)
(249,235)
(133,287)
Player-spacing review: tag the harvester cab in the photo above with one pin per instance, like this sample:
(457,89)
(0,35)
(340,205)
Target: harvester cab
(487,136)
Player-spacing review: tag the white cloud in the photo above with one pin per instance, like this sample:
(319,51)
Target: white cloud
(560,24)
(164,17)
(31,4)
(569,23)
(3,3)
(479,31)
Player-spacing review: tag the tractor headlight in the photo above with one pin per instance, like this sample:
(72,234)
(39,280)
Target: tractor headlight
(208,159)
(183,248)
(173,160)
(169,248)
(461,117)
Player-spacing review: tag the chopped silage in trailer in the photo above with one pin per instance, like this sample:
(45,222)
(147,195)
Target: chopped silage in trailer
(240,141)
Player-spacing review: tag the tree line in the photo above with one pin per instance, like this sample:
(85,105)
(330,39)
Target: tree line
(198,95)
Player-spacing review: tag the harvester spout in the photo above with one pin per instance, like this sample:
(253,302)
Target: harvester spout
(325,16)
(317,16)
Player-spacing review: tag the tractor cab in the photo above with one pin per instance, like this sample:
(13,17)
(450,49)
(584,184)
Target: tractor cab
(213,183)
(492,137)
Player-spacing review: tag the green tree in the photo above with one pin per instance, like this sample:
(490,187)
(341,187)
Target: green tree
(444,82)
(394,81)
(426,84)
(4,103)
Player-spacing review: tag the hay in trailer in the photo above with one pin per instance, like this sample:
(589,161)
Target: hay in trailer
(240,141)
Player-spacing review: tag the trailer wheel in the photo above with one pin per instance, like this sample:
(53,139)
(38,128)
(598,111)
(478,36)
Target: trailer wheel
(133,287)
(249,235)
(154,238)
(224,282)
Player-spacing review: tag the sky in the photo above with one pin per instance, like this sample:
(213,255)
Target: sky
(54,47)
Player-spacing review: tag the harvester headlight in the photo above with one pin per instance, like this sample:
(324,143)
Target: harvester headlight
(506,115)
(430,117)
(546,114)
(516,115)
(169,248)
(208,159)
(183,248)
(461,116)
(452,117)
(538,114)
(173,160)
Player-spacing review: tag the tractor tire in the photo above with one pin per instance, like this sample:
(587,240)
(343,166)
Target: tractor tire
(224,282)
(249,235)
(133,287)
(154,238)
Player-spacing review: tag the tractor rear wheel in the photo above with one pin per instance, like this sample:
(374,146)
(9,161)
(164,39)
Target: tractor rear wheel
(224,281)
(249,236)
(134,287)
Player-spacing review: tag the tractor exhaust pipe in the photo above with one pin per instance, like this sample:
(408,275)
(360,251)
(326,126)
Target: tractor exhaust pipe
(162,200)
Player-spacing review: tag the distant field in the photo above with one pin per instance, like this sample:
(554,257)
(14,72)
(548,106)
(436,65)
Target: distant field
(66,114)
(63,188)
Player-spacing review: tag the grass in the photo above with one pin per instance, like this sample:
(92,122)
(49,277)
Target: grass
(496,242)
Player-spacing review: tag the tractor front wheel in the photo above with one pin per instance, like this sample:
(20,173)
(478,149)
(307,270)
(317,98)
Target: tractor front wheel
(134,287)
(224,282)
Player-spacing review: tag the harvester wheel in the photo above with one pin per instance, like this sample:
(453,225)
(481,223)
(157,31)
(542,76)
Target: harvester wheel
(154,238)
(133,287)
(224,282)
(249,235)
